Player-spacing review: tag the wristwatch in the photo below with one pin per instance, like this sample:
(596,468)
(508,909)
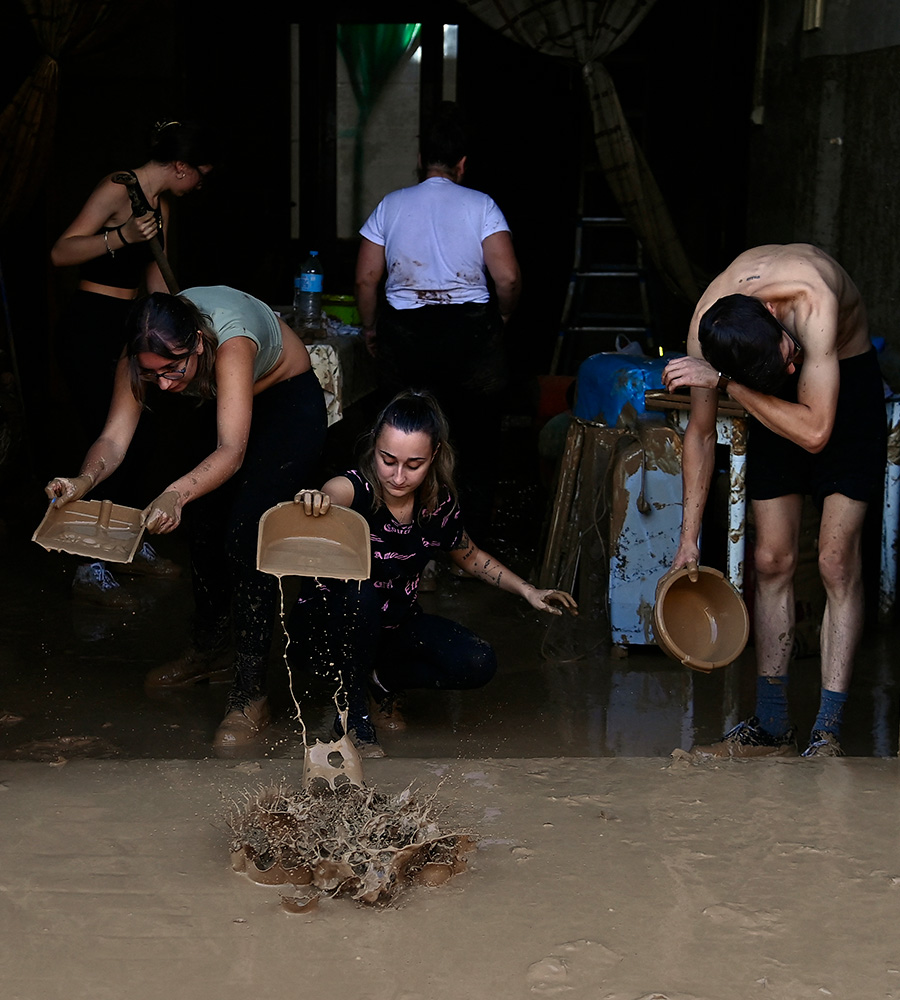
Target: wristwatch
(722,384)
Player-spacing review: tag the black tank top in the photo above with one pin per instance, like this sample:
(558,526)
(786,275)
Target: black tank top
(127,268)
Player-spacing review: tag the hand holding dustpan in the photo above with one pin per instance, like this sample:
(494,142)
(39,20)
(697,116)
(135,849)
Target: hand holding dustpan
(310,536)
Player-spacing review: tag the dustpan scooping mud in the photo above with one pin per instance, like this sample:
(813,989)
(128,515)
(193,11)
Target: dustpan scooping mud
(97,529)
(292,543)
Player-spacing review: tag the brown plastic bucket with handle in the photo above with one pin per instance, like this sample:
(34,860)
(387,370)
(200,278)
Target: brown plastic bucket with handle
(699,618)
(334,546)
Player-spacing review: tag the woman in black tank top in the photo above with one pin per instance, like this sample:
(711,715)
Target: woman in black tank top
(112,251)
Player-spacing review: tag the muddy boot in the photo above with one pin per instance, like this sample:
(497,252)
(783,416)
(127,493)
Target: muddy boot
(385,707)
(242,725)
(362,735)
(148,562)
(193,666)
(94,584)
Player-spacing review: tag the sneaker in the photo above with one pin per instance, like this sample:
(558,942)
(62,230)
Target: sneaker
(94,584)
(148,562)
(749,739)
(823,744)
(385,712)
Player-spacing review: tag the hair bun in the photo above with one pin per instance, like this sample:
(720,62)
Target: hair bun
(159,127)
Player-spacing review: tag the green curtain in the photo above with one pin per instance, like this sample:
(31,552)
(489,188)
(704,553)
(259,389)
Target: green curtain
(371,52)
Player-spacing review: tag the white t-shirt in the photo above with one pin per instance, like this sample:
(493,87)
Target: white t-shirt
(432,235)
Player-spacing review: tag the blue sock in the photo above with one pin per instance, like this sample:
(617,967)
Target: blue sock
(831,711)
(771,704)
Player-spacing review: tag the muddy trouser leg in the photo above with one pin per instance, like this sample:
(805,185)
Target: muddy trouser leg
(427,651)
(343,631)
(286,437)
(207,519)
(336,634)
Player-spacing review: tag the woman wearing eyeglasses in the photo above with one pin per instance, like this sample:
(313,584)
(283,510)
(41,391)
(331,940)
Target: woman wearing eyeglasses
(111,248)
(224,345)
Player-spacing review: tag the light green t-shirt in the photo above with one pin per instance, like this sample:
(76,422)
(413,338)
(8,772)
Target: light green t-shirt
(237,314)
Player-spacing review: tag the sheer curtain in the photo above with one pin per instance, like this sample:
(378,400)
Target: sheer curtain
(586,32)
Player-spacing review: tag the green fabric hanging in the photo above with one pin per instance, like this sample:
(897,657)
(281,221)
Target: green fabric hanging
(371,52)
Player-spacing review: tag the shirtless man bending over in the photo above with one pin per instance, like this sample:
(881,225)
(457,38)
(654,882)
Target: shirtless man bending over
(783,331)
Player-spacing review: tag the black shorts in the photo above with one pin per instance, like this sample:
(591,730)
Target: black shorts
(852,463)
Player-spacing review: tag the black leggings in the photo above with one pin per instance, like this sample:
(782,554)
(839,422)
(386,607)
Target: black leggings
(343,630)
(286,437)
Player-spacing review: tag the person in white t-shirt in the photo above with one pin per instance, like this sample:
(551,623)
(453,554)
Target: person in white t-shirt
(435,244)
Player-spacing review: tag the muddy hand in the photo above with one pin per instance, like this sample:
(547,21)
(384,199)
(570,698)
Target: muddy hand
(164,514)
(687,554)
(541,599)
(687,373)
(314,502)
(62,491)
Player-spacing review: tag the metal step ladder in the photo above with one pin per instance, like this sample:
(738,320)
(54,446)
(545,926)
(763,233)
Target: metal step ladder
(607,294)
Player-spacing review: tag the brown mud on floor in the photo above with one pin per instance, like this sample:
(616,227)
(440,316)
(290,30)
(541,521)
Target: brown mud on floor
(603,879)
(71,672)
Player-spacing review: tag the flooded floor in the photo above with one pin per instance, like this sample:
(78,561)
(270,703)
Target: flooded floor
(73,674)
(603,868)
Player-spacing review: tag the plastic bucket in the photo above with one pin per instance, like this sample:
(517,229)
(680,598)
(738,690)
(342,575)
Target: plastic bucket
(702,622)
(342,308)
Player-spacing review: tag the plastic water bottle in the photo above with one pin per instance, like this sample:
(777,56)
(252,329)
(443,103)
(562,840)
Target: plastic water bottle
(308,294)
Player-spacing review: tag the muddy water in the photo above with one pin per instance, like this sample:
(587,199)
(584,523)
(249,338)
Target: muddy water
(71,671)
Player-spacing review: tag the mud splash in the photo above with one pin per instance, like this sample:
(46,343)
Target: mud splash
(348,841)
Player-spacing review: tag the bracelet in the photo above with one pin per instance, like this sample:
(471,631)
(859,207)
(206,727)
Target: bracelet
(722,384)
(109,249)
(121,237)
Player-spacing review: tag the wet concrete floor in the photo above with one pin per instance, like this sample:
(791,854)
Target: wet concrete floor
(73,674)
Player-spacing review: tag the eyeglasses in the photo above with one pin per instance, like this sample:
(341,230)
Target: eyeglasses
(170,374)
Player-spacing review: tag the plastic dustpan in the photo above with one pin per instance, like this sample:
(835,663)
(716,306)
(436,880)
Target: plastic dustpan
(293,543)
(699,618)
(98,529)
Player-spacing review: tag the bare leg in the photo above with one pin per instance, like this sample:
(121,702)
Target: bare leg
(775,555)
(840,565)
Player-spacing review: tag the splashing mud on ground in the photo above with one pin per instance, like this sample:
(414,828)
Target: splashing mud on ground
(348,841)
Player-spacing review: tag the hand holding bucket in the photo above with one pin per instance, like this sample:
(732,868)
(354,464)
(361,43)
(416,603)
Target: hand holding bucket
(700,618)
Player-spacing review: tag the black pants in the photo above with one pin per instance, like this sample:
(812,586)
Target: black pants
(286,437)
(457,353)
(343,630)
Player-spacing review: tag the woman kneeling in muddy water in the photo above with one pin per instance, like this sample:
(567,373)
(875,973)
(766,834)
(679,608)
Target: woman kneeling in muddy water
(377,631)
(266,437)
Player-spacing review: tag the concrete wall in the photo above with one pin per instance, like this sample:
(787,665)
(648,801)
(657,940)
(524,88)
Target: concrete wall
(825,158)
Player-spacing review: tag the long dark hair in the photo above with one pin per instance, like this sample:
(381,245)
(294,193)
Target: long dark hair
(411,411)
(169,325)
